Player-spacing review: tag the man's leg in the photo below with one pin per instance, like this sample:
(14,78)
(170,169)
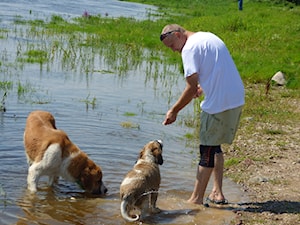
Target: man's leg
(205,168)
(203,175)
(217,193)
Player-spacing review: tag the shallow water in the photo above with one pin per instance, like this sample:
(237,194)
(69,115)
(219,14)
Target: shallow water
(10,9)
(97,129)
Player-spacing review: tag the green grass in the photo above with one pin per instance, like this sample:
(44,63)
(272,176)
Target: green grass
(6,85)
(90,102)
(263,38)
(232,162)
(261,43)
(129,114)
(34,56)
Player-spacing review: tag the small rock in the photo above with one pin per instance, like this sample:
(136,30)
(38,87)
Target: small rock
(249,118)
(258,179)
(279,78)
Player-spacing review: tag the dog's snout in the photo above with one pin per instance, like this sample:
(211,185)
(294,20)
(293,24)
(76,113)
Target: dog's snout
(105,190)
(160,160)
(102,190)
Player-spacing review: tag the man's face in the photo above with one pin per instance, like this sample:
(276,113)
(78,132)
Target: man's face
(175,41)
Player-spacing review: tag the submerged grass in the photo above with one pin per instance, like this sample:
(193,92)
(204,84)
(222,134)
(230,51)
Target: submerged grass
(34,56)
(89,102)
(130,125)
(5,86)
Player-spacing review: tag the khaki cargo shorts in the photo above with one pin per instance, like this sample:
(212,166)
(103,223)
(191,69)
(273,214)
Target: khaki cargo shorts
(219,128)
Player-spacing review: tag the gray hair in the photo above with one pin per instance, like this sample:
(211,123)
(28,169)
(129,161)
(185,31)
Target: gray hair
(172,27)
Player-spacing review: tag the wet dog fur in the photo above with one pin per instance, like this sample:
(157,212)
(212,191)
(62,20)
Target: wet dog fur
(139,188)
(51,153)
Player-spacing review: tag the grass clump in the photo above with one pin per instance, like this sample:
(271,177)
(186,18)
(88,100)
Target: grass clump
(90,102)
(130,125)
(231,162)
(34,56)
(128,114)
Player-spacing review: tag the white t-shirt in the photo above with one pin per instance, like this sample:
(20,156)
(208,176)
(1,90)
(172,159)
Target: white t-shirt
(206,54)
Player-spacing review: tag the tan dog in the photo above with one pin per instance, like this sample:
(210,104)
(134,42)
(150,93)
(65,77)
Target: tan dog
(51,153)
(139,189)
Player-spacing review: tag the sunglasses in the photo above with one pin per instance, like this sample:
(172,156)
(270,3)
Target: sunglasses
(164,35)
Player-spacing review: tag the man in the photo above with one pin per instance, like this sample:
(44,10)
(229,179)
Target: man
(208,69)
(240,3)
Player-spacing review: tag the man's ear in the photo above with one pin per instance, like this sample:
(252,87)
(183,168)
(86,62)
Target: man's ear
(178,34)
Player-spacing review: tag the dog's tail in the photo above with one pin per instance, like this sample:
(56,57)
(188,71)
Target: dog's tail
(124,212)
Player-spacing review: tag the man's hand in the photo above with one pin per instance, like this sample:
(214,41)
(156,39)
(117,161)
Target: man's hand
(192,90)
(199,92)
(170,117)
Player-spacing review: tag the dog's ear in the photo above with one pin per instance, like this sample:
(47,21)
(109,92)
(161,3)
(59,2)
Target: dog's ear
(141,153)
(157,152)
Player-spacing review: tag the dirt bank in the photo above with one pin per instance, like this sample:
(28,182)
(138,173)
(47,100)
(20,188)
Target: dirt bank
(265,157)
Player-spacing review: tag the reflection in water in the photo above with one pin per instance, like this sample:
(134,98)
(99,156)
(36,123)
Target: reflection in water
(11,9)
(51,207)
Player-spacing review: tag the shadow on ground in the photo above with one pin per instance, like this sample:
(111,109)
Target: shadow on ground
(277,207)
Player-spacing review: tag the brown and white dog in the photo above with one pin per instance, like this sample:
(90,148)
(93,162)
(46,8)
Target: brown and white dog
(139,189)
(51,153)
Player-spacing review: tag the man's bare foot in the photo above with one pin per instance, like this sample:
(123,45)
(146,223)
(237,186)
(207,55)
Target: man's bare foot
(195,201)
(217,199)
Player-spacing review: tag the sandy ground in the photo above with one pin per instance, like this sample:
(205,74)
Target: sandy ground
(268,166)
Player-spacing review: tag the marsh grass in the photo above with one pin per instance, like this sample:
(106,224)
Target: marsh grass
(5,86)
(260,41)
(28,93)
(90,102)
(24,89)
(130,125)
(2,103)
(129,114)
(34,56)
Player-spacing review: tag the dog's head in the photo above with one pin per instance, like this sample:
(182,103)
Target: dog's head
(152,152)
(91,179)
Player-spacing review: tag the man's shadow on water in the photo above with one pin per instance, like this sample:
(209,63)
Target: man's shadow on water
(277,207)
